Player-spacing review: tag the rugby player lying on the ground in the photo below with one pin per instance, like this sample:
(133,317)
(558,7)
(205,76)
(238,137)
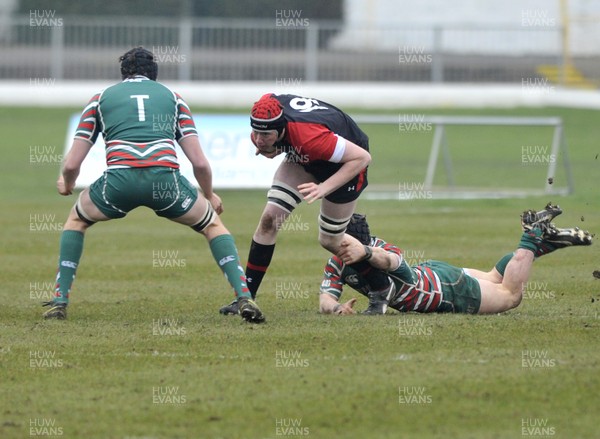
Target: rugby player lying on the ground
(436,286)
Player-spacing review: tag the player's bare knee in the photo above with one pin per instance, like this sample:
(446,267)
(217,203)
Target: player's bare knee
(516,295)
(330,242)
(268,223)
(513,298)
(516,300)
(77,221)
(77,224)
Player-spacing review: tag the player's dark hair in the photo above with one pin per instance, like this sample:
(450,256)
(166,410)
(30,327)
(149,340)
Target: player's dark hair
(138,61)
(358,227)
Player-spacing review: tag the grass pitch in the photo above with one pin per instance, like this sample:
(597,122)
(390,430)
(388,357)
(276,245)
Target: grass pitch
(145,354)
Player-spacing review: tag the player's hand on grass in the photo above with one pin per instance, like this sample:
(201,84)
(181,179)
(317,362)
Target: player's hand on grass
(311,191)
(63,188)
(216,203)
(347,308)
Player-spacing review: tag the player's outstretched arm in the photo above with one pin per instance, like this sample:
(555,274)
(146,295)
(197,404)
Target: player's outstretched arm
(202,170)
(72,165)
(352,250)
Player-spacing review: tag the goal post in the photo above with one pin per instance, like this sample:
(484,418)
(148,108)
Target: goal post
(440,142)
(441,146)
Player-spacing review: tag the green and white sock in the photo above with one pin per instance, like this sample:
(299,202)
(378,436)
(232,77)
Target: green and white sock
(225,253)
(71,248)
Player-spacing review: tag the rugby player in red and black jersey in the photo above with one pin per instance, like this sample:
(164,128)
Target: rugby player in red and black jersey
(327,155)
(141,120)
(435,286)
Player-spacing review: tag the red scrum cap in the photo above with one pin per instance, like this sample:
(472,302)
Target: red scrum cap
(267,114)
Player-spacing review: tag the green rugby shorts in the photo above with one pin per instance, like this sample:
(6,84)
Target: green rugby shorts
(164,190)
(462,293)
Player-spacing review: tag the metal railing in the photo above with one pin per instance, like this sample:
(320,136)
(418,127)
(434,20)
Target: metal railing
(265,50)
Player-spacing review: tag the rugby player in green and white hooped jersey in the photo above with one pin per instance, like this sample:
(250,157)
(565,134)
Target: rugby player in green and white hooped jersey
(436,286)
(140,120)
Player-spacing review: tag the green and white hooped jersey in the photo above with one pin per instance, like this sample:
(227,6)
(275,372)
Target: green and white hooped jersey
(416,288)
(140,120)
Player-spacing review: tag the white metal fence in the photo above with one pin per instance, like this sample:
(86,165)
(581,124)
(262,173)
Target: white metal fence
(299,51)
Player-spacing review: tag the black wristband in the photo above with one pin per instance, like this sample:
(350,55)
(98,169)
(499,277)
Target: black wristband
(369,253)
